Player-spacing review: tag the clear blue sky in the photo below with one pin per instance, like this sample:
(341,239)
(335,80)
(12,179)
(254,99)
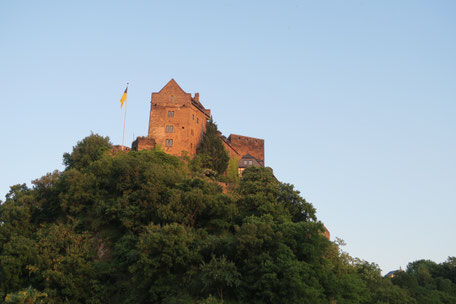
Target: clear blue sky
(356,100)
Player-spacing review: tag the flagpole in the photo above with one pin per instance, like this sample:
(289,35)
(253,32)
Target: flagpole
(125,118)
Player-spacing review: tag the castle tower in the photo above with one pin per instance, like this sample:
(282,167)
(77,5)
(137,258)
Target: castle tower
(177,120)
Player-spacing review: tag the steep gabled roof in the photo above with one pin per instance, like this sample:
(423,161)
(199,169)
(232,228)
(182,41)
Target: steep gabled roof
(172,84)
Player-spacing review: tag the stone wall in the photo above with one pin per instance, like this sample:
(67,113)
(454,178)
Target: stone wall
(247,145)
(120,148)
(143,143)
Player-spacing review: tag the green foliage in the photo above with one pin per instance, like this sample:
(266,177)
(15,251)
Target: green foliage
(262,193)
(219,275)
(165,253)
(87,151)
(232,171)
(429,282)
(211,150)
(299,208)
(147,227)
(382,290)
(211,300)
(27,296)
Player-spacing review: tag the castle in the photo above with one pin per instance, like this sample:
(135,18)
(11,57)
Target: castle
(178,121)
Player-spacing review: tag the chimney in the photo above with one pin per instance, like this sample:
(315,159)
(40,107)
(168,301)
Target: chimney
(197,97)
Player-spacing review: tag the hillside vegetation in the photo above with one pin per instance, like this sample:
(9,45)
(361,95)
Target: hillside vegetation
(147,227)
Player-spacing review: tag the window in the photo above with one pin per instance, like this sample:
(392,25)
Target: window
(193,116)
(169,129)
(169,142)
(191,145)
(170,113)
(172,97)
(248,162)
(197,120)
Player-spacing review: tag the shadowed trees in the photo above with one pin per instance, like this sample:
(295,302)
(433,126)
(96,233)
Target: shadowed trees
(138,227)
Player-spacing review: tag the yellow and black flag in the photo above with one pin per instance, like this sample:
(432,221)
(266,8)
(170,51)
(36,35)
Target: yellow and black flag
(124,97)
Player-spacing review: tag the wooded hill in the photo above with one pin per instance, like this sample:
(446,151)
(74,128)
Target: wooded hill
(147,227)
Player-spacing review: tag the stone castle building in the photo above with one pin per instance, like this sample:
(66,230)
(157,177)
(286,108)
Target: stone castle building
(178,121)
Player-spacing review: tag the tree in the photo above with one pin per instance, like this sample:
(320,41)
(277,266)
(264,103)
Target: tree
(218,275)
(87,151)
(26,296)
(211,149)
(142,227)
(299,208)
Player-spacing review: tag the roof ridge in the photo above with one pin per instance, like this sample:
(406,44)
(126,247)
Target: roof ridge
(171,82)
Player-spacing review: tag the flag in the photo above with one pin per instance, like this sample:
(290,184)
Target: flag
(124,97)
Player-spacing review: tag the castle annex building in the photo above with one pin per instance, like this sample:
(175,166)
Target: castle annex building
(178,121)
